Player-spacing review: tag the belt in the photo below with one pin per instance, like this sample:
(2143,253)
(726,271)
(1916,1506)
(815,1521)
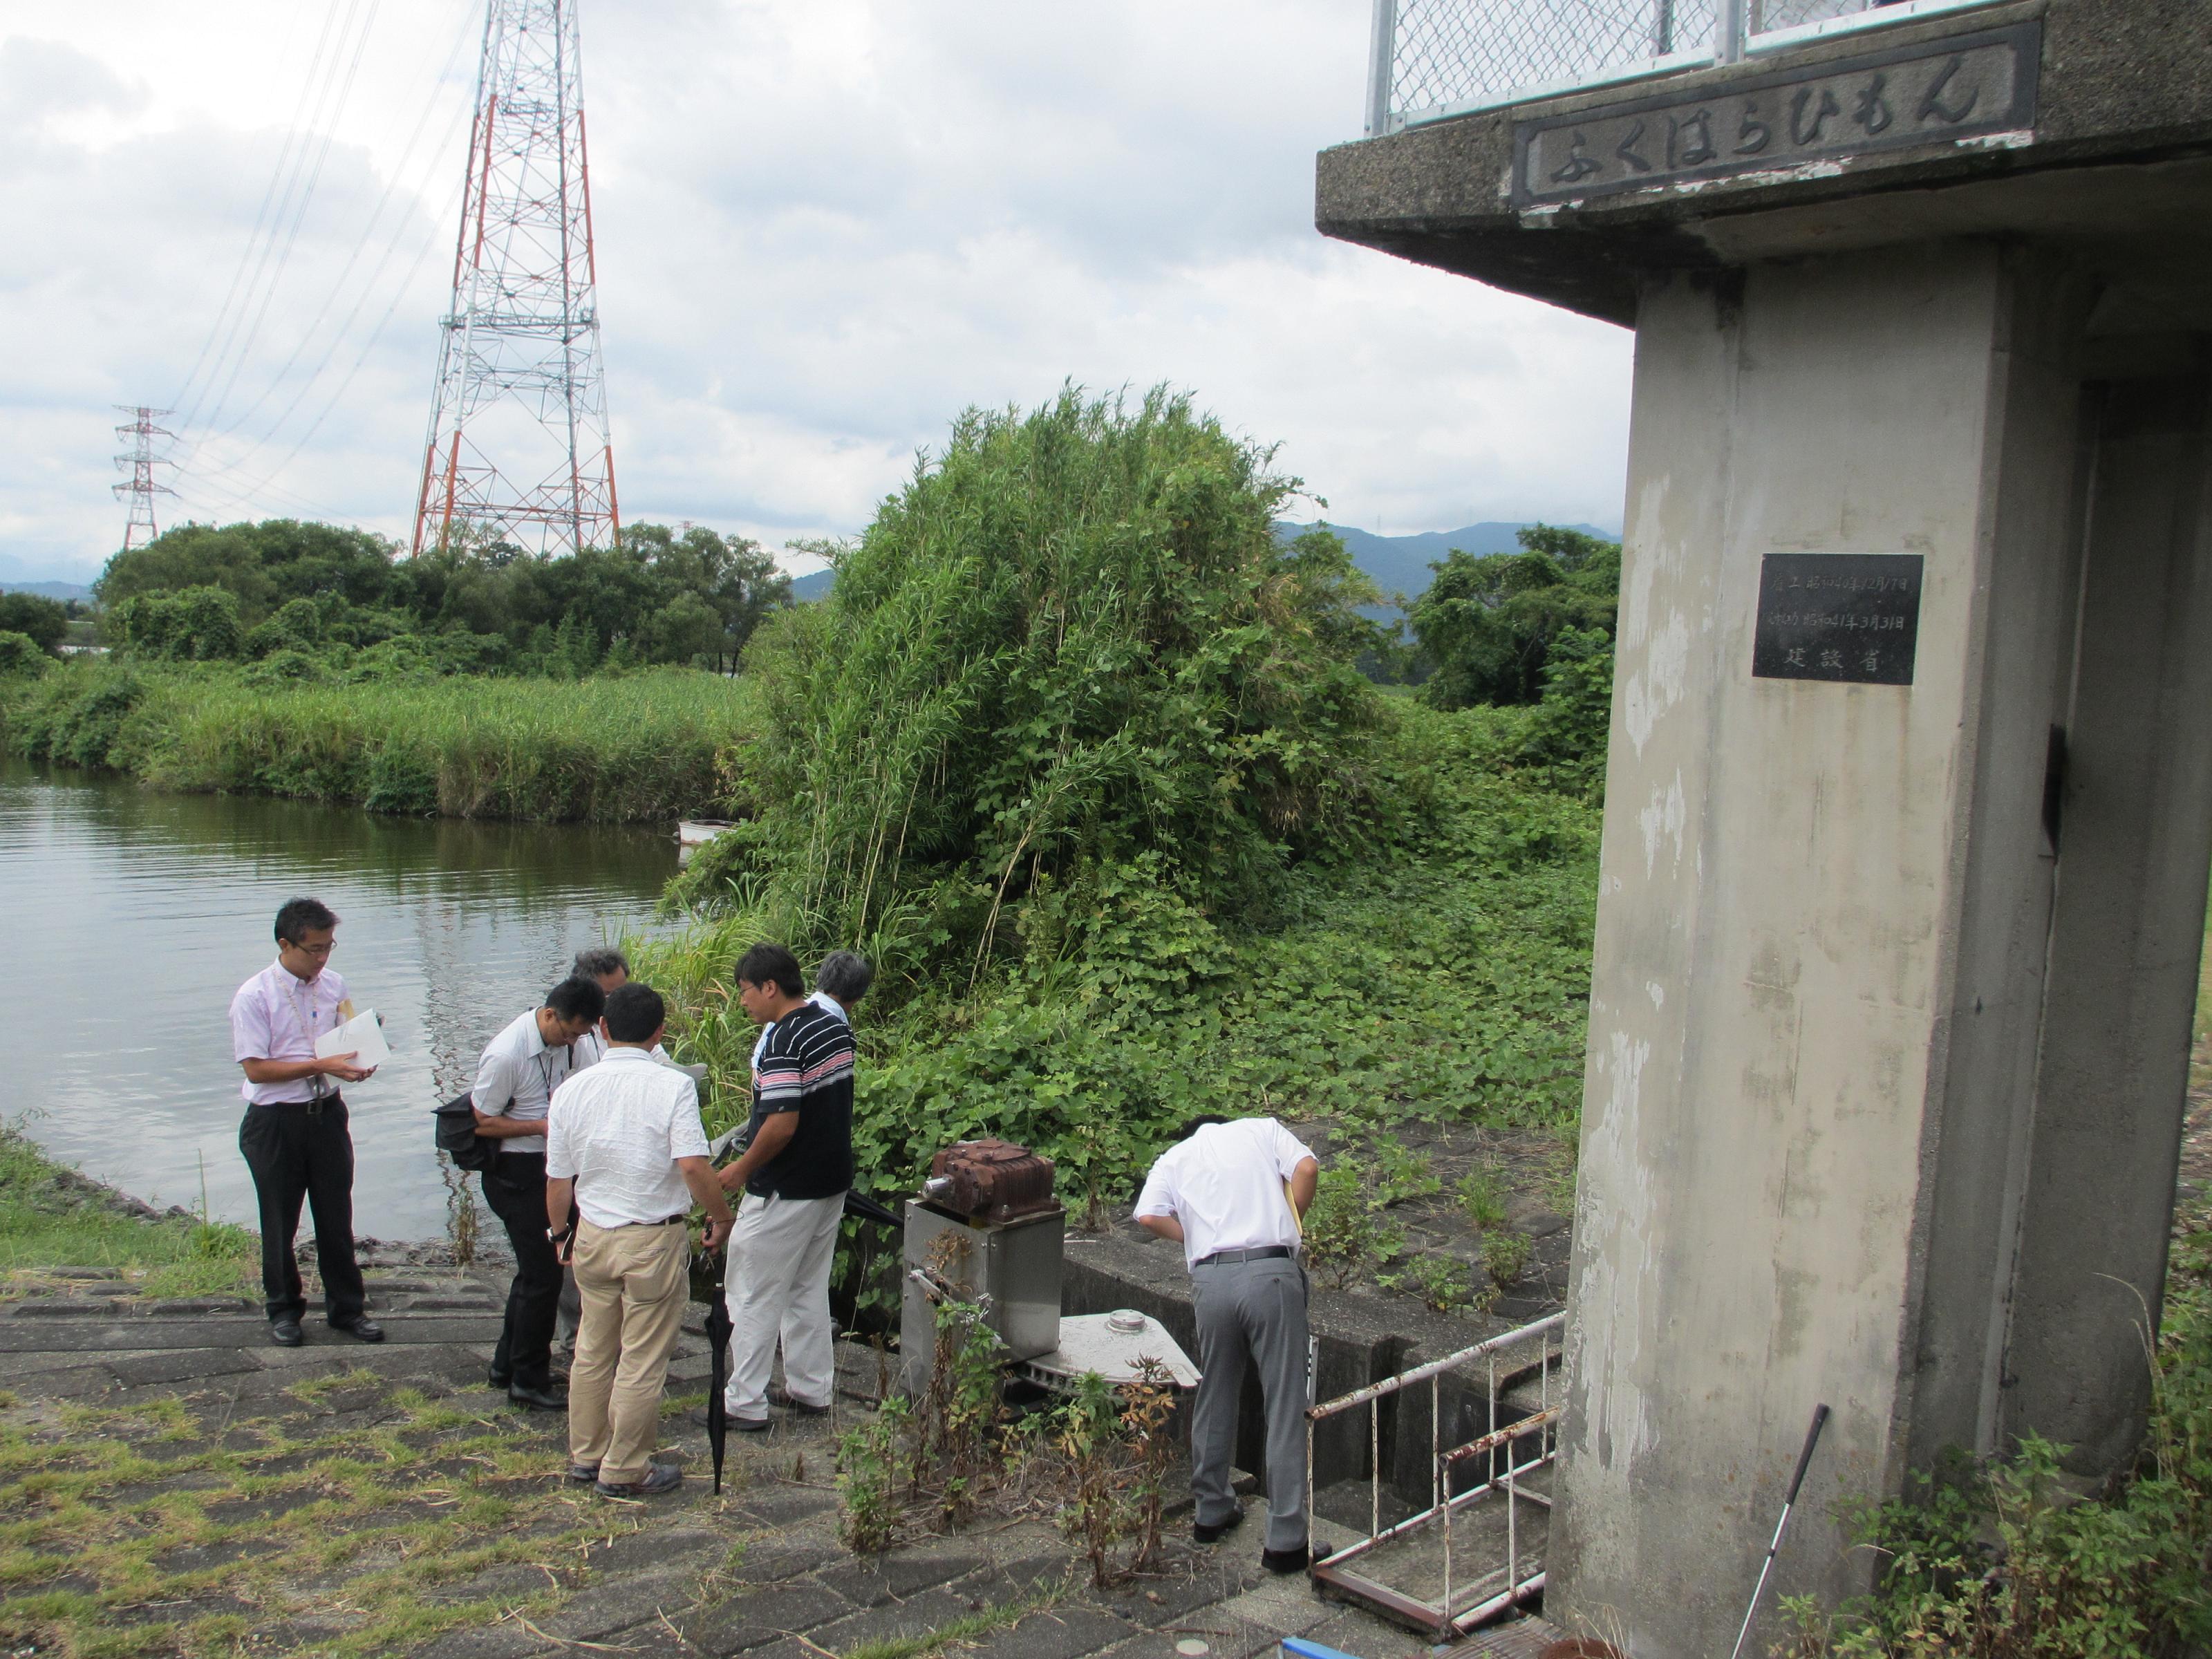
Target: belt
(1264,1253)
(665,1221)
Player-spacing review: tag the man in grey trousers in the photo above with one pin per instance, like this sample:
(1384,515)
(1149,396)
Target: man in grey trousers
(1231,1194)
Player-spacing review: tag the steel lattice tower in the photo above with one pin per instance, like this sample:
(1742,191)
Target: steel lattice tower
(139,461)
(518,443)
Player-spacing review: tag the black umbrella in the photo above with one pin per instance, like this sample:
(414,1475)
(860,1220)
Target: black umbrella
(718,1329)
(861,1207)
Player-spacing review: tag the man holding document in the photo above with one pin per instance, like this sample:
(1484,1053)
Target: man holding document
(286,1024)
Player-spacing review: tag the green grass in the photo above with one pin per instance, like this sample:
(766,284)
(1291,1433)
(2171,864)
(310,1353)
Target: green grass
(48,1220)
(646,746)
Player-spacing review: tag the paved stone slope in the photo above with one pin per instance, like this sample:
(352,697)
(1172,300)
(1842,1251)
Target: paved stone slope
(172,1483)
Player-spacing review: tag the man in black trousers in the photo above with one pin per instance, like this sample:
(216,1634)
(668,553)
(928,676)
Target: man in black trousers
(515,1079)
(294,1136)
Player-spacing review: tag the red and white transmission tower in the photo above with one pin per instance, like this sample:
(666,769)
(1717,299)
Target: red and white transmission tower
(139,461)
(518,443)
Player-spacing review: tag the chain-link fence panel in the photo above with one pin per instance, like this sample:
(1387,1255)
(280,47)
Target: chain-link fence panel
(1770,15)
(1456,52)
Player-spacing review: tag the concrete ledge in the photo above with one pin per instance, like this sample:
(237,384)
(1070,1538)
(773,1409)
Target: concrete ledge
(2124,85)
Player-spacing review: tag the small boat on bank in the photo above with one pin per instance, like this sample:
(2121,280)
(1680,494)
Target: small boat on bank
(692,834)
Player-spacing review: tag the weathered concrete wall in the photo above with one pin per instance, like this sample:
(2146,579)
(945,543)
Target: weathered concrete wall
(1795,893)
(2136,835)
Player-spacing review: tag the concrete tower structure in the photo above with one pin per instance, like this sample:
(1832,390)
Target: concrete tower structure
(1910,802)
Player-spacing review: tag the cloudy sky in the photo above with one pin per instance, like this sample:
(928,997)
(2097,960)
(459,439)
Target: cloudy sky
(823,227)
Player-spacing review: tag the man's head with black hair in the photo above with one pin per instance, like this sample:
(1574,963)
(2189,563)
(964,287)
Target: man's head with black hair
(769,982)
(304,927)
(571,1008)
(1202,1121)
(297,917)
(636,1014)
(771,964)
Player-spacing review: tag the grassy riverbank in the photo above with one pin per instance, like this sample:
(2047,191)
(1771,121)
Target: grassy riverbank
(636,748)
(52,1216)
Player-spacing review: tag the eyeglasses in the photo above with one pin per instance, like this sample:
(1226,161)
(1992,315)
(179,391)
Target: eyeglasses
(322,950)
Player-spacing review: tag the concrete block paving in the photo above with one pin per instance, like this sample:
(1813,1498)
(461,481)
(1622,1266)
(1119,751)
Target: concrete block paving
(171,1483)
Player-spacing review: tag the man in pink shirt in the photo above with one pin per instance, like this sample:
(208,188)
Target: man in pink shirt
(294,1136)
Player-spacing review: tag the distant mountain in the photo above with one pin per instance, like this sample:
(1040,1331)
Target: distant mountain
(1400,564)
(1396,564)
(64,591)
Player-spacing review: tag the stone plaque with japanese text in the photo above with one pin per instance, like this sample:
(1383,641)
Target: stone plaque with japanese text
(1968,87)
(1852,616)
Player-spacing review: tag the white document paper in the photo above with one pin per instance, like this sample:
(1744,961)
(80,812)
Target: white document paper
(360,1036)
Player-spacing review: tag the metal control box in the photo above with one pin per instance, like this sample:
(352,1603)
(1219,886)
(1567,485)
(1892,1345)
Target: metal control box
(1015,1264)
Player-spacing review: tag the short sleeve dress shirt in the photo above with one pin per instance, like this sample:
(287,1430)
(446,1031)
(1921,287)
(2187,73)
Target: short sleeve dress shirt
(517,1076)
(1225,1185)
(277,1015)
(616,1131)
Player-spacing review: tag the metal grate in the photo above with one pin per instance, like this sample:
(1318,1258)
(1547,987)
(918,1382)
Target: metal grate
(1457,51)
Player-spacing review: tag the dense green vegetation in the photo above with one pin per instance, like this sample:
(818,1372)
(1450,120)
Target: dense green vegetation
(314,600)
(1488,628)
(639,747)
(1075,750)
(42,621)
(1995,1562)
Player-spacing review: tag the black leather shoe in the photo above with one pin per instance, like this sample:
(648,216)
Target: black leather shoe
(361,1328)
(499,1379)
(1284,1560)
(1209,1532)
(537,1400)
(749,1425)
(285,1333)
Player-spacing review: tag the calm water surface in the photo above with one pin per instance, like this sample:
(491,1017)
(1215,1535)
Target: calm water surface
(131,916)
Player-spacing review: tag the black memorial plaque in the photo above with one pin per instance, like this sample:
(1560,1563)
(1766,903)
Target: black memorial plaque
(1851,617)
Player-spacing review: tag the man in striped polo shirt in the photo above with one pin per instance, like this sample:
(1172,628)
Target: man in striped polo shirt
(794,1172)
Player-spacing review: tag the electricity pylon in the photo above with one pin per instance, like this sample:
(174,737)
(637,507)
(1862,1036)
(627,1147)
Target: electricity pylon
(139,461)
(518,446)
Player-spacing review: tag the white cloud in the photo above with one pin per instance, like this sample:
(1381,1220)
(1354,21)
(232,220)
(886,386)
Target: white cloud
(822,230)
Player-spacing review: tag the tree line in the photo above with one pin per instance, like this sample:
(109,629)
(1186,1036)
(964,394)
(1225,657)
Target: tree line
(300,598)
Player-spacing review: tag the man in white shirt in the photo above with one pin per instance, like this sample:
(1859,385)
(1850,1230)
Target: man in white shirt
(520,1068)
(293,1137)
(1232,1193)
(625,1145)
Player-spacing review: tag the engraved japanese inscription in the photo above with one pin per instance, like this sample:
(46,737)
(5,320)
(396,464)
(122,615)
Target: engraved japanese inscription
(1967,86)
(1838,616)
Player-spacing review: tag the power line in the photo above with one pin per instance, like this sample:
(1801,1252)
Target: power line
(352,263)
(305,195)
(268,195)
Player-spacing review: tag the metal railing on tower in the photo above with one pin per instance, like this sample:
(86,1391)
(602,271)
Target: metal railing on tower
(1432,59)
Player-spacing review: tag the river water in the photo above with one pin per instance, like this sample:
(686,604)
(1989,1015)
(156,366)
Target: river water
(129,917)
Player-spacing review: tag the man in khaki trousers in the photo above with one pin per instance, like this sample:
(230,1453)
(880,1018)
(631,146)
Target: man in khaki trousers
(624,1141)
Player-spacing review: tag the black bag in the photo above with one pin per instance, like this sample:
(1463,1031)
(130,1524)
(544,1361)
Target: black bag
(457,1138)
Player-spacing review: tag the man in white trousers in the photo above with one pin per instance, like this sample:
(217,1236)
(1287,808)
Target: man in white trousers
(795,1174)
